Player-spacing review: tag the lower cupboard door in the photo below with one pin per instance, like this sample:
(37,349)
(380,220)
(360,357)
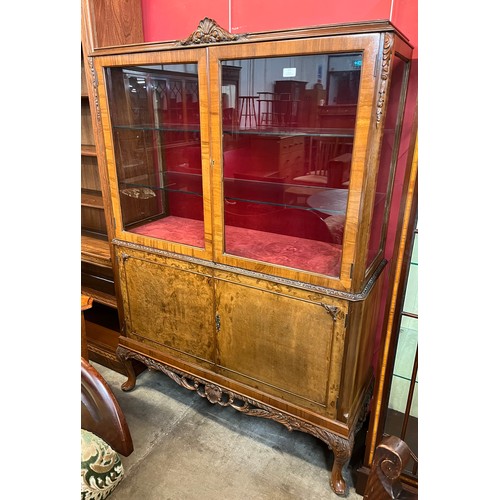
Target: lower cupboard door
(169,309)
(278,344)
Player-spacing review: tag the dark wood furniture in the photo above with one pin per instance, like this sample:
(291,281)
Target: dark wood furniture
(100,412)
(391,457)
(103,23)
(379,424)
(229,285)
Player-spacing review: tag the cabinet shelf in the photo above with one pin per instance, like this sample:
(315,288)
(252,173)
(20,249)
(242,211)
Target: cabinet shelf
(295,132)
(95,251)
(101,297)
(92,199)
(89,150)
(267,131)
(161,128)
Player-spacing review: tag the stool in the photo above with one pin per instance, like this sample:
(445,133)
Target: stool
(265,108)
(247,111)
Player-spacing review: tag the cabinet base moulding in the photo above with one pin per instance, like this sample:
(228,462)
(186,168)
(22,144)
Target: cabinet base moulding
(340,445)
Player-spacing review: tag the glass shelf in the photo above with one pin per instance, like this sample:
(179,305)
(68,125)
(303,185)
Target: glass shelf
(271,132)
(295,132)
(159,128)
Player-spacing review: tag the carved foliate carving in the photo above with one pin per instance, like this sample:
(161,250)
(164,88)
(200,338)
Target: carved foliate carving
(209,31)
(331,292)
(384,77)
(93,76)
(341,446)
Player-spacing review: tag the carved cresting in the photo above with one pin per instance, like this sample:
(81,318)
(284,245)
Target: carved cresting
(384,77)
(209,31)
(341,446)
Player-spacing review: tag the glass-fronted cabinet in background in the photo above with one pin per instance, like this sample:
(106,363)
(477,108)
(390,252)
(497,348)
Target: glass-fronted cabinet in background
(402,413)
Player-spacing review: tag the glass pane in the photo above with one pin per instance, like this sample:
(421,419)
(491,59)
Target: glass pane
(288,130)
(411,295)
(388,160)
(156,131)
(407,347)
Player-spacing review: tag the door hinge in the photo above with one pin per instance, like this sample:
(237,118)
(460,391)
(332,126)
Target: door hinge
(350,272)
(217,322)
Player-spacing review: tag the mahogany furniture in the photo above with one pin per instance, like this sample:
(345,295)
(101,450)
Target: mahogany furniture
(104,436)
(100,412)
(231,281)
(391,457)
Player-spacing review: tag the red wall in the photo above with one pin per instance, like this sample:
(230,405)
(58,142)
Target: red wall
(177,19)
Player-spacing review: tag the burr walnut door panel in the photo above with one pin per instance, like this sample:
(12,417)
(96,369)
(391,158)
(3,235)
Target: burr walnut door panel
(285,346)
(169,308)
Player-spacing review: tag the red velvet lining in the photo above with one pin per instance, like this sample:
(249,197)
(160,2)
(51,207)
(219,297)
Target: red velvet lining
(290,251)
(177,229)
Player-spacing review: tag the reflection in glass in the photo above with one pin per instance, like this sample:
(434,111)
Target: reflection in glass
(388,159)
(156,131)
(402,412)
(288,131)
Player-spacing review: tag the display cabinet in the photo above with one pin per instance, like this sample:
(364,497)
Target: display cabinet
(250,188)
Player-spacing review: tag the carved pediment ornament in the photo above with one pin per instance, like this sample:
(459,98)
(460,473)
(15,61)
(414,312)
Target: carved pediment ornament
(209,31)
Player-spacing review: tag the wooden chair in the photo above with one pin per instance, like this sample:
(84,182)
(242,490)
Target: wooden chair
(100,412)
(390,459)
(104,435)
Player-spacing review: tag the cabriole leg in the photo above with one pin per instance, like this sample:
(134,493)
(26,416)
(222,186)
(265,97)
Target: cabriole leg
(342,450)
(129,384)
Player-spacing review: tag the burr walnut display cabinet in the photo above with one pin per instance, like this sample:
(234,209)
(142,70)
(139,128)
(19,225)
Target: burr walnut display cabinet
(250,180)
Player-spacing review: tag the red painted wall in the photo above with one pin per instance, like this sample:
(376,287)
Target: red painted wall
(177,19)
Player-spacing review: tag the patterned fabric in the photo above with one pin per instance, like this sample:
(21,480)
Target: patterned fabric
(102,468)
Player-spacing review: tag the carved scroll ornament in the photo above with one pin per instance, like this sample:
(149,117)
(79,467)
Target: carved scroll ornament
(209,31)
(384,77)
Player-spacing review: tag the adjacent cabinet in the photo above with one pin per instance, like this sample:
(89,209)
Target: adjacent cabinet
(250,179)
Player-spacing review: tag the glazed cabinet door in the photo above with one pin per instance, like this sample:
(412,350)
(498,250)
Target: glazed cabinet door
(293,154)
(154,112)
(285,344)
(168,305)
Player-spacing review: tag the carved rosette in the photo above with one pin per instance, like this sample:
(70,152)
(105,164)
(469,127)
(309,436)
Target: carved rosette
(209,31)
(384,77)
